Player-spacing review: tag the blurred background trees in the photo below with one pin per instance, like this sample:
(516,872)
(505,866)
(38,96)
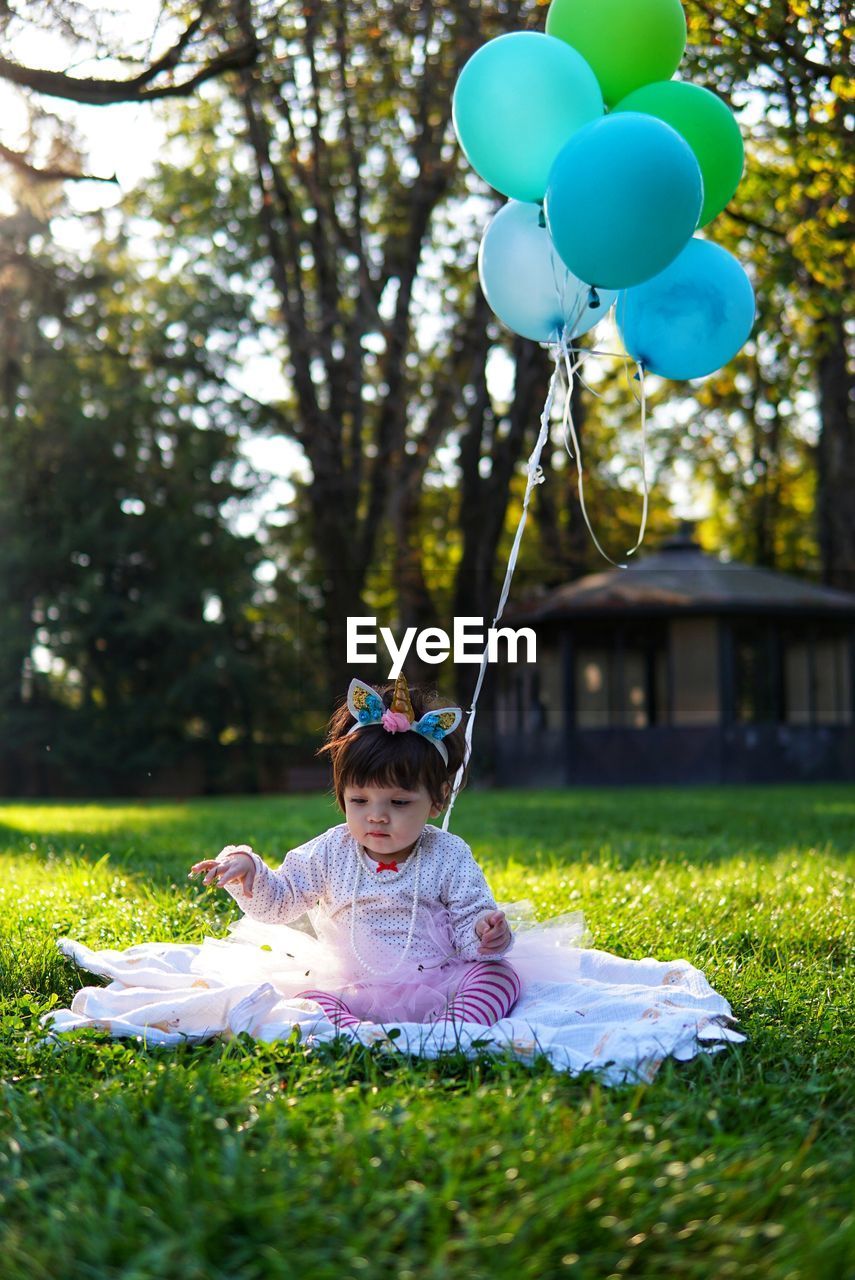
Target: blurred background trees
(775,432)
(300,270)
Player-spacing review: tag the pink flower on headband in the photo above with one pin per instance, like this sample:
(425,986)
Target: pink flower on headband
(394,721)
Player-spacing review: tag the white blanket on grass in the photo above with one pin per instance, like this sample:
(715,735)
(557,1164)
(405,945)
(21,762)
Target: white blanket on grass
(619,1017)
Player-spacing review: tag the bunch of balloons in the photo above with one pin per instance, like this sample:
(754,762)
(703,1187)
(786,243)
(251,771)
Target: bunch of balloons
(610,167)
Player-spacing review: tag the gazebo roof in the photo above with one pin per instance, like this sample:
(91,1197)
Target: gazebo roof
(680,578)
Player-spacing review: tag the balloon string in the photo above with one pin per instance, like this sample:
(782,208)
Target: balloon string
(629,381)
(571,370)
(598,395)
(562,352)
(641,401)
(582,297)
(595,351)
(583,356)
(535,477)
(570,324)
(568,426)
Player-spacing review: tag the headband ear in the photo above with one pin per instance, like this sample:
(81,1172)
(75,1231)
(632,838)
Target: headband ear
(438,724)
(364,704)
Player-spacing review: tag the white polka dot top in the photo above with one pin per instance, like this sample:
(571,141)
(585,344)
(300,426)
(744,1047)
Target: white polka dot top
(452,894)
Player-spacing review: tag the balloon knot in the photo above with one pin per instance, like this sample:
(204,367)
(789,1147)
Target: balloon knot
(593,298)
(541,218)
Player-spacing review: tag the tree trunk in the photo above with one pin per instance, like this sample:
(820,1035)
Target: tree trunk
(485,499)
(835,506)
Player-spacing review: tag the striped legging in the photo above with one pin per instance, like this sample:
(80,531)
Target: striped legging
(487,992)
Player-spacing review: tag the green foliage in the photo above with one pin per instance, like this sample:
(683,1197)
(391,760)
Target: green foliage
(752,439)
(241,1159)
(129,595)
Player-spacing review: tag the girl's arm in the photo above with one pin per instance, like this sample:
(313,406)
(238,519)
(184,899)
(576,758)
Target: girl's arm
(468,900)
(281,896)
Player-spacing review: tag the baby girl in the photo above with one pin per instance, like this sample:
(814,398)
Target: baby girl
(406,927)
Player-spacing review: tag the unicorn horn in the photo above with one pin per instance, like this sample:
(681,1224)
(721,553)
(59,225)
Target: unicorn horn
(401,699)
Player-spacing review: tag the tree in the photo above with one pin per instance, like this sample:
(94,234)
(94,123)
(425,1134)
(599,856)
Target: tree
(371,221)
(791,220)
(131,639)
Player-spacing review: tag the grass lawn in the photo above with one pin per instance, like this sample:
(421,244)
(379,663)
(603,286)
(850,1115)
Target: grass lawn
(238,1159)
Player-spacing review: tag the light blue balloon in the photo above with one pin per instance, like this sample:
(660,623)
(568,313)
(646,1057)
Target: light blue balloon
(527,284)
(623,199)
(690,319)
(516,102)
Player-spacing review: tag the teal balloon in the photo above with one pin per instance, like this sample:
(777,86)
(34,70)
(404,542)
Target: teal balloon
(623,199)
(526,283)
(692,318)
(516,102)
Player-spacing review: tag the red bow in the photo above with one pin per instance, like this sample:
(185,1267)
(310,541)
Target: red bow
(387,866)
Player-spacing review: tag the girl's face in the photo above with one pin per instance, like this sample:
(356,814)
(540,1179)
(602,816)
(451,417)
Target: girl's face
(387,821)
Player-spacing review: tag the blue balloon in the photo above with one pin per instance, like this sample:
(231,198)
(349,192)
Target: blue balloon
(624,197)
(690,319)
(527,284)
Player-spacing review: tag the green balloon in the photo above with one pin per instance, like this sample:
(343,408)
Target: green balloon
(627,42)
(709,127)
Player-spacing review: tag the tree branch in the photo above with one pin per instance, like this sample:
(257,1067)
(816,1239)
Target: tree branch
(755,224)
(172,57)
(97,92)
(19,161)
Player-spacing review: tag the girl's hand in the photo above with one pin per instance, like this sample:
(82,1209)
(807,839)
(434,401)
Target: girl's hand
(494,932)
(236,865)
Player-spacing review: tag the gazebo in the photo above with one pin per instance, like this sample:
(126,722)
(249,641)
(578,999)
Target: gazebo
(681,668)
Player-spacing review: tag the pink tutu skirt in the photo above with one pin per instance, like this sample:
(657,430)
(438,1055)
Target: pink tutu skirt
(315,955)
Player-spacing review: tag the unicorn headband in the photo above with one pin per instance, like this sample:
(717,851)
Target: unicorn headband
(367,707)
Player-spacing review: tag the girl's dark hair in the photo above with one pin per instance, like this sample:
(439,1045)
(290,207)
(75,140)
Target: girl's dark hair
(373,756)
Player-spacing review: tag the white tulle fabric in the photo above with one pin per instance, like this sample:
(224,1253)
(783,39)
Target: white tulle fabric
(580,1007)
